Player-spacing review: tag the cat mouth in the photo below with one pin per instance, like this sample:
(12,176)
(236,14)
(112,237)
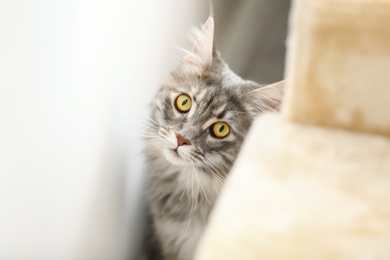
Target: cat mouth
(174,157)
(176,153)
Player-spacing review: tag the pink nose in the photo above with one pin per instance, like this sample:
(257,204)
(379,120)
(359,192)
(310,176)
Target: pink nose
(182,141)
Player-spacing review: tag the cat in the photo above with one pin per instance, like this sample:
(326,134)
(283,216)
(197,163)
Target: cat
(200,117)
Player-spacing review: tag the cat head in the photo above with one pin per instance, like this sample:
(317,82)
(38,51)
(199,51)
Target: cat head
(203,111)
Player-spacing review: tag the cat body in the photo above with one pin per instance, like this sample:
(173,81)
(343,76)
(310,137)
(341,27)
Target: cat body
(200,117)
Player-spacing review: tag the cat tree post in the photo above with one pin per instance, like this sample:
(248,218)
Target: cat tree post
(313,182)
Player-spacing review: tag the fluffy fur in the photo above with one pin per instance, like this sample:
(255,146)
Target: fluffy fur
(184,181)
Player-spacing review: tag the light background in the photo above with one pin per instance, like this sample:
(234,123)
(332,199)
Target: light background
(75,81)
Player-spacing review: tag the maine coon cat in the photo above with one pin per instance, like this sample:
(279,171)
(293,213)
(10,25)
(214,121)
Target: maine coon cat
(200,117)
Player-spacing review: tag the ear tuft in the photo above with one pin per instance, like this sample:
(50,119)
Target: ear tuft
(267,98)
(201,54)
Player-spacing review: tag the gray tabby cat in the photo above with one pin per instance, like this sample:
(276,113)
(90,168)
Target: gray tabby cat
(200,117)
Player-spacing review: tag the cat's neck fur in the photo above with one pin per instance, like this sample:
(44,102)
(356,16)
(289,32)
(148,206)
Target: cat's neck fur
(180,204)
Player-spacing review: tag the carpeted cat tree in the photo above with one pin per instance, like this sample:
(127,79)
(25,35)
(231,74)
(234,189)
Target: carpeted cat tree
(314,181)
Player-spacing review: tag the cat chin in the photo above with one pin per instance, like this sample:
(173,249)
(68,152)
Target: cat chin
(173,157)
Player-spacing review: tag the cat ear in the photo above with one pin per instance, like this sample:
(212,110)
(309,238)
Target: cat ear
(201,54)
(267,98)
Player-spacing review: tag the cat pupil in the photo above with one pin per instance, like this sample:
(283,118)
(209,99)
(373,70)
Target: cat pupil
(184,102)
(221,128)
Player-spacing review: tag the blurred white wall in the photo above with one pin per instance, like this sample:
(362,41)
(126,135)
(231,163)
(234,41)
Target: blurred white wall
(75,79)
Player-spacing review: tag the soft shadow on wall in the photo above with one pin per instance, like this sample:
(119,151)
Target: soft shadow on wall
(251,36)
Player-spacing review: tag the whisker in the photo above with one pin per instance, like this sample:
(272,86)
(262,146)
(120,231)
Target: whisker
(147,130)
(147,122)
(150,128)
(203,160)
(152,137)
(200,183)
(151,119)
(152,141)
(216,167)
(185,188)
(146,134)
(212,165)
(213,175)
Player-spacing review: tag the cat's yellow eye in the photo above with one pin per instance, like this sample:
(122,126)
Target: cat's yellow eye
(220,129)
(183,103)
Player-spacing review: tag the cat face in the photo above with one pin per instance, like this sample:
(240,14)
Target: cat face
(203,111)
(200,123)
